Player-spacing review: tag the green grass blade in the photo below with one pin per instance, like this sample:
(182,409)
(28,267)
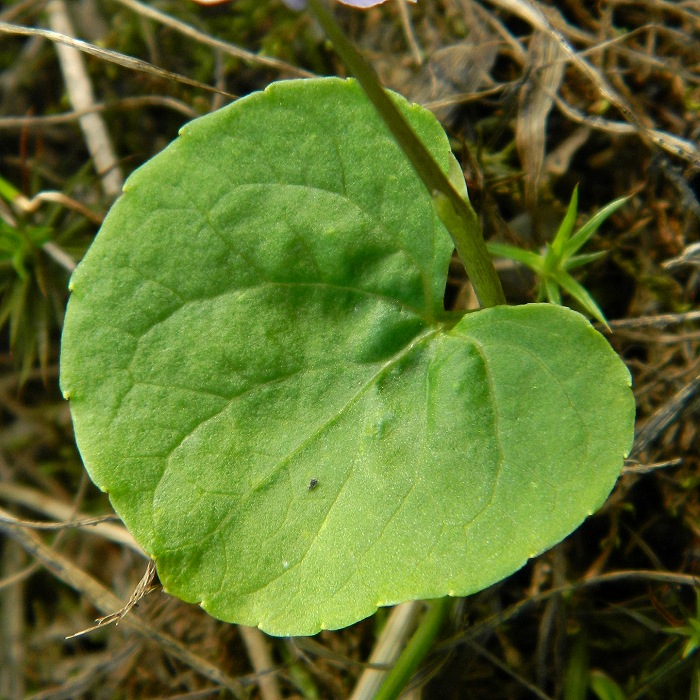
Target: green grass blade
(416,650)
(581,236)
(604,687)
(581,260)
(526,257)
(559,245)
(552,290)
(8,192)
(578,292)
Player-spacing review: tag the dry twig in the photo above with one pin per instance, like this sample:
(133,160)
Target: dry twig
(81,96)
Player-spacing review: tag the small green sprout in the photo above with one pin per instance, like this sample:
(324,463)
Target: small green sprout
(604,687)
(33,272)
(18,244)
(559,258)
(691,631)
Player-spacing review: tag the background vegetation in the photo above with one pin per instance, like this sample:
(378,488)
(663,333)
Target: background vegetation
(536,97)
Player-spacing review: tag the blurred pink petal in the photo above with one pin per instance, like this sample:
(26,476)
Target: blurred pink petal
(301,4)
(362,3)
(365,3)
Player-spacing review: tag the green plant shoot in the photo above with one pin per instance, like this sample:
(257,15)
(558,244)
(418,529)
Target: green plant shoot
(554,264)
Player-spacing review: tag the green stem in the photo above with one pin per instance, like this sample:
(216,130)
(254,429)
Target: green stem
(416,649)
(456,213)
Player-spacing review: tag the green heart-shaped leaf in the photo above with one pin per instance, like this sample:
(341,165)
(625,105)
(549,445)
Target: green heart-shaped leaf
(262,376)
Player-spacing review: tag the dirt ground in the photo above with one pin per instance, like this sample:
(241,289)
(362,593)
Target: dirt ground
(536,97)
